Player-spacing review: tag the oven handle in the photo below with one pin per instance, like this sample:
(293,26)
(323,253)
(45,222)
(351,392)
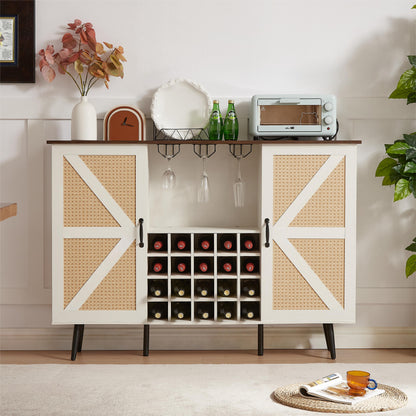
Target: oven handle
(289,101)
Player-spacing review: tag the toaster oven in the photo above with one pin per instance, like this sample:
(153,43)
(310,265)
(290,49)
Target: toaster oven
(288,115)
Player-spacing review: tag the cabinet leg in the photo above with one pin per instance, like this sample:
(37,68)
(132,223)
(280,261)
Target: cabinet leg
(81,338)
(330,339)
(260,339)
(75,341)
(146,340)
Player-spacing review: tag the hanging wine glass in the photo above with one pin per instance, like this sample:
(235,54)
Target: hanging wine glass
(168,177)
(239,186)
(203,190)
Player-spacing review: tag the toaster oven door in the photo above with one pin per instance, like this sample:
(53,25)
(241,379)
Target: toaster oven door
(286,115)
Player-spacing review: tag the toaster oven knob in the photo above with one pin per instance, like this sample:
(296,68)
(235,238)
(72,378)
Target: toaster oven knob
(328,106)
(328,120)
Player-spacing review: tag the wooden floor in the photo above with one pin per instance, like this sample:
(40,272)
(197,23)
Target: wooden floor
(211,357)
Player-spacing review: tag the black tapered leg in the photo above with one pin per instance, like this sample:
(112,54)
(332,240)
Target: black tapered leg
(146,340)
(260,339)
(81,337)
(330,339)
(75,341)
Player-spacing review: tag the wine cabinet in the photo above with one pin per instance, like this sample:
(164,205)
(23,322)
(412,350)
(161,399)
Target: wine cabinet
(124,253)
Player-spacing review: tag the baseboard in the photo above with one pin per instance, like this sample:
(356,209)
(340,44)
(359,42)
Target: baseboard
(207,338)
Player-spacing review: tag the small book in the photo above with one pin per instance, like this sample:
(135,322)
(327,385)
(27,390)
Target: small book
(333,388)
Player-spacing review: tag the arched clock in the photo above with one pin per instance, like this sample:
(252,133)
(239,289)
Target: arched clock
(124,123)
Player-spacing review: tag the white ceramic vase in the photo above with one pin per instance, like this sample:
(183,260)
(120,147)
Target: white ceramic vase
(84,121)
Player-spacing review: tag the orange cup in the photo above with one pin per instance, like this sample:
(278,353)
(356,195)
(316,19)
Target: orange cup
(358,381)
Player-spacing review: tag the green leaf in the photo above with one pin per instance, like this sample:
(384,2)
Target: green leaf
(412,186)
(399,93)
(410,139)
(410,167)
(412,59)
(398,148)
(411,153)
(389,180)
(406,84)
(401,190)
(384,167)
(411,265)
(411,98)
(412,247)
(414,7)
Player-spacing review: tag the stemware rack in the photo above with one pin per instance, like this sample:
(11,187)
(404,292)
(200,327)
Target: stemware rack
(168,257)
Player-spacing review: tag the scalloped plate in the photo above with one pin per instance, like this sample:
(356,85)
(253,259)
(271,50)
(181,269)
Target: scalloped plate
(180,105)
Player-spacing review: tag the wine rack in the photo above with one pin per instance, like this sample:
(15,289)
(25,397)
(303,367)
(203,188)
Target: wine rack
(204,277)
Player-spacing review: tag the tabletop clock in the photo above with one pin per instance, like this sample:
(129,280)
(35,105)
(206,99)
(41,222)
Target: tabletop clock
(125,124)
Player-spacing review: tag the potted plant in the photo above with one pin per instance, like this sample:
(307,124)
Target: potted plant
(399,168)
(86,62)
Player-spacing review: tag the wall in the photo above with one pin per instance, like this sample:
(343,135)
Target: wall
(235,49)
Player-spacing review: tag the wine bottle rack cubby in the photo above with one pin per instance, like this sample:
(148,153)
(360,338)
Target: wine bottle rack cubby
(197,277)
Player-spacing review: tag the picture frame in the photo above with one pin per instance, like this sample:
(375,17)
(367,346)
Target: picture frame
(17,41)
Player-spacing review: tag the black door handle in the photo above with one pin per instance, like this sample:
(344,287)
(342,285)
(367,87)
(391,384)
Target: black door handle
(141,244)
(267,244)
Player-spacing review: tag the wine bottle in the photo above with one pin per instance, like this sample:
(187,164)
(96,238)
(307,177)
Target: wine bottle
(204,311)
(224,289)
(248,244)
(227,242)
(158,245)
(178,291)
(203,289)
(157,267)
(227,267)
(156,311)
(180,311)
(203,267)
(205,245)
(181,245)
(228,245)
(226,310)
(181,267)
(250,267)
(157,288)
(249,310)
(250,288)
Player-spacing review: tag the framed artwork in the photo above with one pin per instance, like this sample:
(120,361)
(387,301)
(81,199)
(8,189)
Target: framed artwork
(124,123)
(17,41)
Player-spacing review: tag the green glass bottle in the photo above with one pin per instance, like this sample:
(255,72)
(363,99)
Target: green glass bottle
(231,123)
(215,127)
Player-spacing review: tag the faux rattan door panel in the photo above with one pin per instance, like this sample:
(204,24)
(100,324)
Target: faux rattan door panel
(97,258)
(312,231)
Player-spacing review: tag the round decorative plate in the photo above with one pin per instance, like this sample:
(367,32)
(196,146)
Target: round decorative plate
(180,107)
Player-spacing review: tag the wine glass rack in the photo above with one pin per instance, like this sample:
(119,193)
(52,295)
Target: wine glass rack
(203,277)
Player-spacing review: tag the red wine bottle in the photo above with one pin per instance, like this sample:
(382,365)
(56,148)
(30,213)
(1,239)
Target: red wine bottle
(248,244)
(250,267)
(181,245)
(157,267)
(203,267)
(181,267)
(205,245)
(227,267)
(228,245)
(158,245)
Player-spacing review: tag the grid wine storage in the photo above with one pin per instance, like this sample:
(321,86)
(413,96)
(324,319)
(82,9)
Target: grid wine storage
(212,272)
(114,262)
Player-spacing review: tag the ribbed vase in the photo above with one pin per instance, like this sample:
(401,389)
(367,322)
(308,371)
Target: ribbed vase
(84,121)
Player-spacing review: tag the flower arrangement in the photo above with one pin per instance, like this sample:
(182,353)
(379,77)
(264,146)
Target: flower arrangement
(89,59)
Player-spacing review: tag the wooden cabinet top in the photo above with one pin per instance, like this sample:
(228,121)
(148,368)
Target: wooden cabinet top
(209,142)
